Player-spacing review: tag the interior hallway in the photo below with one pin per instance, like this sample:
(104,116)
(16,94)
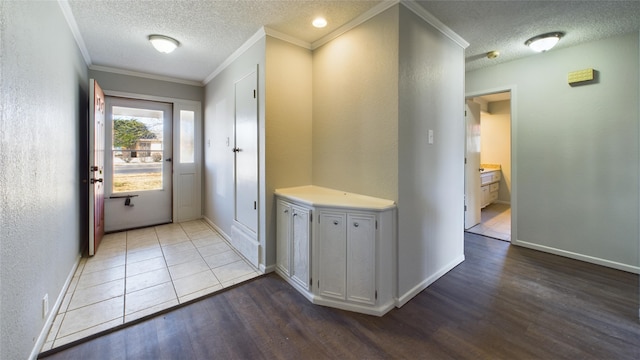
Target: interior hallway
(140,272)
(495,222)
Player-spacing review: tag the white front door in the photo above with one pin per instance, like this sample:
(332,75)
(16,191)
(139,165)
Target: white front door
(472,193)
(246,152)
(138,165)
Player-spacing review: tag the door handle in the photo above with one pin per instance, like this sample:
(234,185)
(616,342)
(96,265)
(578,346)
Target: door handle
(94,180)
(167,159)
(235,149)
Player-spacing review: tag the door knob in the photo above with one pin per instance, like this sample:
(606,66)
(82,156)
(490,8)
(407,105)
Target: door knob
(93,180)
(235,149)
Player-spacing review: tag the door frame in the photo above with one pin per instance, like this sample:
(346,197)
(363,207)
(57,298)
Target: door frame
(514,153)
(178,104)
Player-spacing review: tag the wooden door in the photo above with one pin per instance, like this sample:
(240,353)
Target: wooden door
(300,247)
(361,252)
(472,194)
(332,260)
(246,152)
(283,236)
(96,167)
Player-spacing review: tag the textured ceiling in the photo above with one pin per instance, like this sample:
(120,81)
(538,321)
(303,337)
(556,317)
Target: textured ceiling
(505,25)
(115,31)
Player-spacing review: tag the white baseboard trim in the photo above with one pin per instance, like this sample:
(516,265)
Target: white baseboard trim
(401,300)
(577,256)
(53,312)
(267,269)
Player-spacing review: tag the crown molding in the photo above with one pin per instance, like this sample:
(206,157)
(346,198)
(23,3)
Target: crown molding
(355,22)
(73,26)
(144,75)
(288,38)
(236,54)
(433,21)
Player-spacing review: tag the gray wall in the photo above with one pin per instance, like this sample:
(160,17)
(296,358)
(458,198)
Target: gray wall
(219,115)
(44,89)
(575,149)
(431,176)
(146,86)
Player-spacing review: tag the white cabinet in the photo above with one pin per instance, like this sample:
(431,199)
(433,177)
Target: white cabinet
(352,247)
(346,259)
(293,240)
(490,186)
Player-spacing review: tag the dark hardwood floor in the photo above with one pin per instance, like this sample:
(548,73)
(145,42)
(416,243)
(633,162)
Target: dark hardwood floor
(502,302)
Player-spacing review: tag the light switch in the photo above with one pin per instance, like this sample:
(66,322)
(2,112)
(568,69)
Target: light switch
(430,136)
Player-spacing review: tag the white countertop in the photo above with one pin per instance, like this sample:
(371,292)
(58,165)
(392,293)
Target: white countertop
(320,196)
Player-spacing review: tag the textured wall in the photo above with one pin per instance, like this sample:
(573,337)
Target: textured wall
(576,164)
(44,90)
(287,126)
(145,86)
(431,176)
(219,114)
(355,109)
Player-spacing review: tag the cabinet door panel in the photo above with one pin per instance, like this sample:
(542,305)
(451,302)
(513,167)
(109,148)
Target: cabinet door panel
(300,247)
(332,239)
(283,233)
(361,250)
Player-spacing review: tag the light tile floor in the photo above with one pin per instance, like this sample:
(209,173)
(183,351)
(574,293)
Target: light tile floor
(139,272)
(495,222)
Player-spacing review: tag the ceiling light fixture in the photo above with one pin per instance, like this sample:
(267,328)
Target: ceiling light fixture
(493,54)
(319,22)
(544,42)
(163,44)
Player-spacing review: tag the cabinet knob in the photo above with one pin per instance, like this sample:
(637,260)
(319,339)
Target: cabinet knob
(295,214)
(286,211)
(356,224)
(335,222)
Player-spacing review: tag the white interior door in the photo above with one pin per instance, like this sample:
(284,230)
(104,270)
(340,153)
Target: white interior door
(138,165)
(472,193)
(246,152)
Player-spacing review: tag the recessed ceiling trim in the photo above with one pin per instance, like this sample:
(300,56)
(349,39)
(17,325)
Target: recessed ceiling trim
(143,75)
(353,23)
(75,30)
(433,21)
(288,38)
(236,54)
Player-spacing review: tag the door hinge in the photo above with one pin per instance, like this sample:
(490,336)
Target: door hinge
(254,93)
(465,208)
(310,217)
(376,295)
(465,113)
(255,205)
(318,284)
(310,281)
(376,224)
(465,161)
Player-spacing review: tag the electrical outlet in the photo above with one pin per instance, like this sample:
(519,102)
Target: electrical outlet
(45,305)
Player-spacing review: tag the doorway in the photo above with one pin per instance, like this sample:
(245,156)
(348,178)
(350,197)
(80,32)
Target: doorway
(495,171)
(138,163)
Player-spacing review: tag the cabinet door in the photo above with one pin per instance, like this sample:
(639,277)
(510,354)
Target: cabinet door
(283,236)
(300,246)
(332,264)
(361,250)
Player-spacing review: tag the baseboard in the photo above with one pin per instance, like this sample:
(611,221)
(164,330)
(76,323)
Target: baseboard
(267,269)
(401,300)
(53,312)
(577,256)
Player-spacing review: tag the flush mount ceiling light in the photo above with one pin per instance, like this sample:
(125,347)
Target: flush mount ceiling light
(319,22)
(544,42)
(163,44)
